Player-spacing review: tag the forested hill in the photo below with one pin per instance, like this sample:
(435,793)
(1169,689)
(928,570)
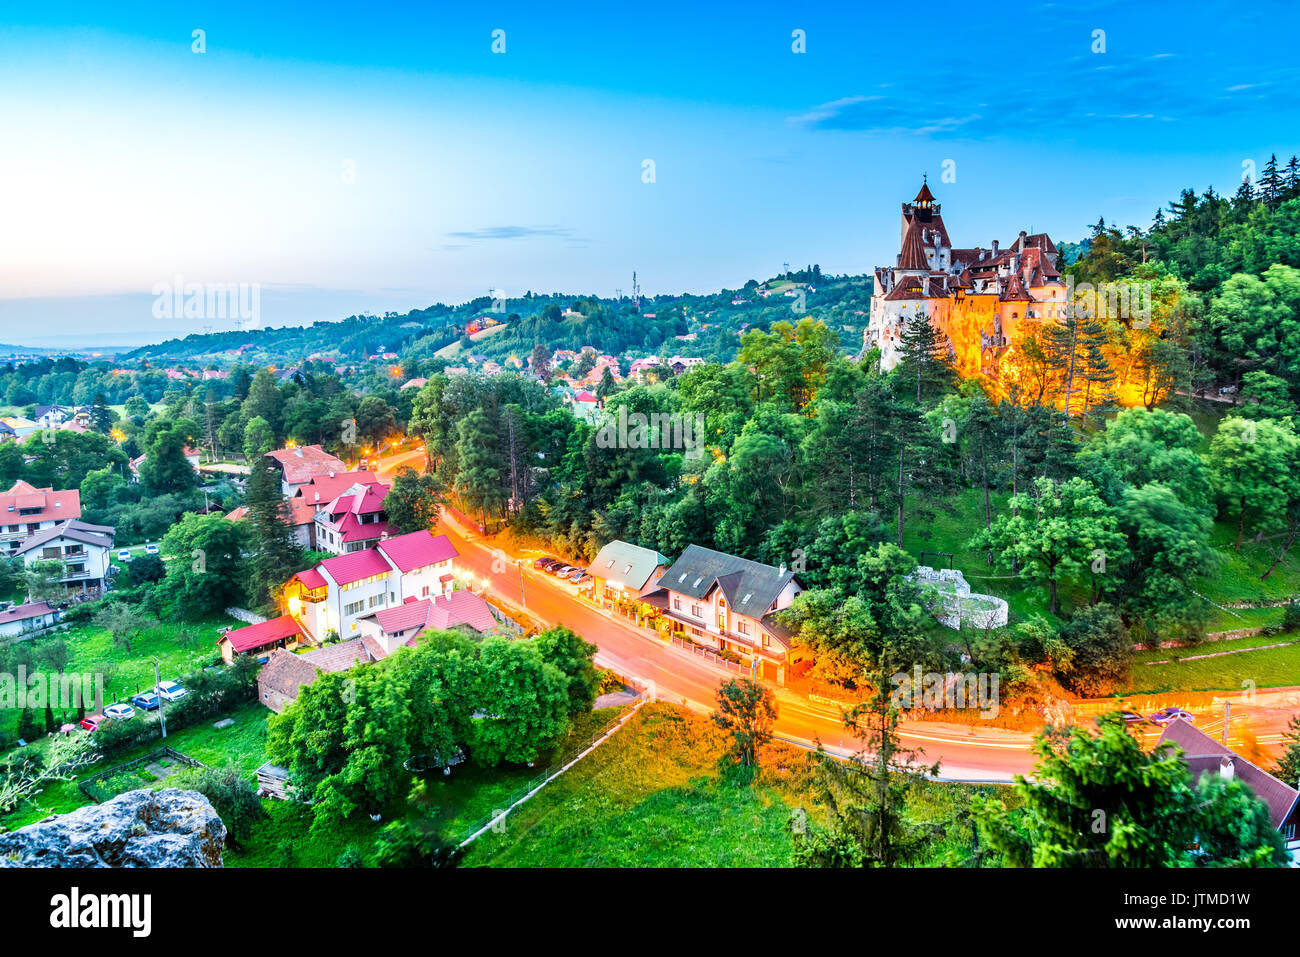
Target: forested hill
(708,326)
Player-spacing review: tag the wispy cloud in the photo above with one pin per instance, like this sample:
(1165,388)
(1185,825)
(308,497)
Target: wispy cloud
(513,232)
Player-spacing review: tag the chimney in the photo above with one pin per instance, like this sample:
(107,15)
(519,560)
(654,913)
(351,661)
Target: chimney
(782,568)
(1020,240)
(1226,769)
(995,247)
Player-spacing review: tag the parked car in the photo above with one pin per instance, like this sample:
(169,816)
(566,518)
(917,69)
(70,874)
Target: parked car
(1132,717)
(562,571)
(542,562)
(123,554)
(581,579)
(552,564)
(146,701)
(170,691)
(576,574)
(151,549)
(91,721)
(1166,715)
(119,712)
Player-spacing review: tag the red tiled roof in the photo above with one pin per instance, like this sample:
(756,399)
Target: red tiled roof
(262,634)
(303,464)
(355,566)
(438,613)
(417,549)
(924,195)
(54,505)
(338,657)
(461,608)
(323,489)
(400,618)
(33,609)
(310,578)
(913,254)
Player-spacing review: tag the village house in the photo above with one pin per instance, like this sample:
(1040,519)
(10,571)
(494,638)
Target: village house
(353,520)
(260,639)
(84,549)
(390,628)
(623,574)
(26,510)
(19,620)
(1204,755)
(330,599)
(298,466)
(729,604)
(285,673)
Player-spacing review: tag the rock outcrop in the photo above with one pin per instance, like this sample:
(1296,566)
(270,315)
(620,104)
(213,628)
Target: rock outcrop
(164,828)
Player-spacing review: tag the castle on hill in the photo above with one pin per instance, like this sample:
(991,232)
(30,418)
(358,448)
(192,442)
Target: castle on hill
(976,298)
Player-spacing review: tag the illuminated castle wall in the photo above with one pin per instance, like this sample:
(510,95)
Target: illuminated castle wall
(978,298)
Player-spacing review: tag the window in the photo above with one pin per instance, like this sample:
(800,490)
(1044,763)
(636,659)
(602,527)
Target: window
(627,569)
(376,600)
(697,611)
(354,608)
(677,603)
(767,642)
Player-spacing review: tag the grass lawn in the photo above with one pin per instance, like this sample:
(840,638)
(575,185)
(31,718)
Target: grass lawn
(178,647)
(1270,667)
(1236,579)
(243,744)
(454,803)
(654,796)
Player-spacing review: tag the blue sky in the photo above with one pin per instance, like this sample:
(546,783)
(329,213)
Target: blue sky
(351,157)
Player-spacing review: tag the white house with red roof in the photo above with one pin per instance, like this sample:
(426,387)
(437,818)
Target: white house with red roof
(26,510)
(353,520)
(390,628)
(298,466)
(332,597)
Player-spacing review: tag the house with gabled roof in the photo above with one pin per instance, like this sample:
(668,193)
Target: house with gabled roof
(329,599)
(83,549)
(390,628)
(729,604)
(285,673)
(1204,755)
(26,510)
(624,573)
(298,466)
(354,519)
(260,639)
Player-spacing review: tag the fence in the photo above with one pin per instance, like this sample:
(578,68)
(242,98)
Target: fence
(96,788)
(710,656)
(574,753)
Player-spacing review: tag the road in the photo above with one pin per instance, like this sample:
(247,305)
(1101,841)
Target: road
(676,675)
(966,753)
(390,465)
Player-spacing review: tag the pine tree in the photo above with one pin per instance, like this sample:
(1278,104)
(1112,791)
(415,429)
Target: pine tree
(1270,183)
(1292,178)
(866,796)
(274,554)
(923,355)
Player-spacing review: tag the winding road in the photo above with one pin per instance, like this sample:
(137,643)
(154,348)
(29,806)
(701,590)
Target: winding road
(965,753)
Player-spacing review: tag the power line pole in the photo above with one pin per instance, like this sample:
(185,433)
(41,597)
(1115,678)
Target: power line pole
(162,721)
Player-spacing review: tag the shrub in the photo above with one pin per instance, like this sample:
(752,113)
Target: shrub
(1291,616)
(351,857)
(234,798)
